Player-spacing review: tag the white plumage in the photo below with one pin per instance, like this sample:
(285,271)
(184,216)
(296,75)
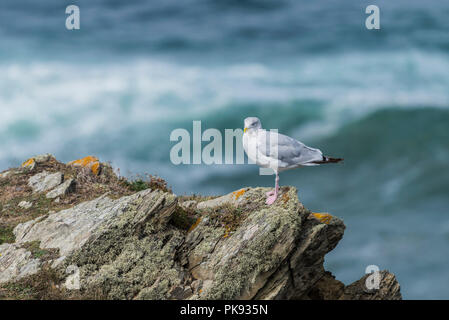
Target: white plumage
(277,151)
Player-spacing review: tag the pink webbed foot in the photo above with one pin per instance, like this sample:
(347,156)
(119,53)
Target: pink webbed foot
(271,199)
(270,193)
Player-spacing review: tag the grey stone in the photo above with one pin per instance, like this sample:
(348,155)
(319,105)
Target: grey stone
(45,181)
(235,198)
(69,229)
(16,263)
(25,204)
(42,158)
(73,281)
(62,190)
(389,289)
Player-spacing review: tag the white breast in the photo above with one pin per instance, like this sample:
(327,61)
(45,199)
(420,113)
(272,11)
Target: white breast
(251,143)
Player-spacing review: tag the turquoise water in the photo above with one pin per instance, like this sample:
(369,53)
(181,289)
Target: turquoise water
(137,70)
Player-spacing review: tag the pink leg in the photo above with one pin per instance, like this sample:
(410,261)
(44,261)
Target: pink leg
(272,198)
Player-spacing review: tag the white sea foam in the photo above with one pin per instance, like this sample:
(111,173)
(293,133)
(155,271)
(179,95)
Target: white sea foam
(62,101)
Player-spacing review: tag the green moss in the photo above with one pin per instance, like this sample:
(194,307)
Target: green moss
(138,185)
(6,234)
(37,252)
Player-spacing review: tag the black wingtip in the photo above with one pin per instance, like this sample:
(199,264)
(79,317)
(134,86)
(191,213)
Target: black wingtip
(334,160)
(328,160)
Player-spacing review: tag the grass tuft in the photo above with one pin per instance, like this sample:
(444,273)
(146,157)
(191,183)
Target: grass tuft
(147,182)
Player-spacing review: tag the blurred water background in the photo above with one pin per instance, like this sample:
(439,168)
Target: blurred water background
(138,69)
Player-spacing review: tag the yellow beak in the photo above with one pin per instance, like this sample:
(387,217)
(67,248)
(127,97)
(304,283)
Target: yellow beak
(244,130)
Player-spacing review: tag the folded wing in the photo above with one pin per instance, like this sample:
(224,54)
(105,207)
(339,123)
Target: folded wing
(290,152)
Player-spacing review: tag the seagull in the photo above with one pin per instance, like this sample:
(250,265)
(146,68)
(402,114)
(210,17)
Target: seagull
(269,149)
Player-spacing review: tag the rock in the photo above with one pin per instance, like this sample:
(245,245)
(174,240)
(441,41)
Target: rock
(45,181)
(234,198)
(31,163)
(16,263)
(25,204)
(136,252)
(72,282)
(196,285)
(180,293)
(90,162)
(42,158)
(239,248)
(70,229)
(326,288)
(389,289)
(62,190)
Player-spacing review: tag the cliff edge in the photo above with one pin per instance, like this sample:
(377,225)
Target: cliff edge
(79,231)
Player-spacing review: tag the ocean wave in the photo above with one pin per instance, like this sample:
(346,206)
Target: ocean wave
(73,109)
(385,114)
(353,83)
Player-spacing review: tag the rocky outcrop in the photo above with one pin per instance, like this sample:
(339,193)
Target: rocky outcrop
(389,289)
(45,181)
(274,253)
(230,247)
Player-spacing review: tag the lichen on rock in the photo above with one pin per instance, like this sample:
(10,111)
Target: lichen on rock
(90,162)
(129,243)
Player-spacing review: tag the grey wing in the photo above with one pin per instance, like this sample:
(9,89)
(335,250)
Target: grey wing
(292,152)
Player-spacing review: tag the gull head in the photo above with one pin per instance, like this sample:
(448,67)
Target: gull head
(252,123)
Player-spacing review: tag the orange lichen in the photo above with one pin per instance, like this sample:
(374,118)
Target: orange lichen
(238,194)
(285,197)
(95,168)
(84,162)
(323,217)
(88,162)
(28,163)
(228,230)
(197,222)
